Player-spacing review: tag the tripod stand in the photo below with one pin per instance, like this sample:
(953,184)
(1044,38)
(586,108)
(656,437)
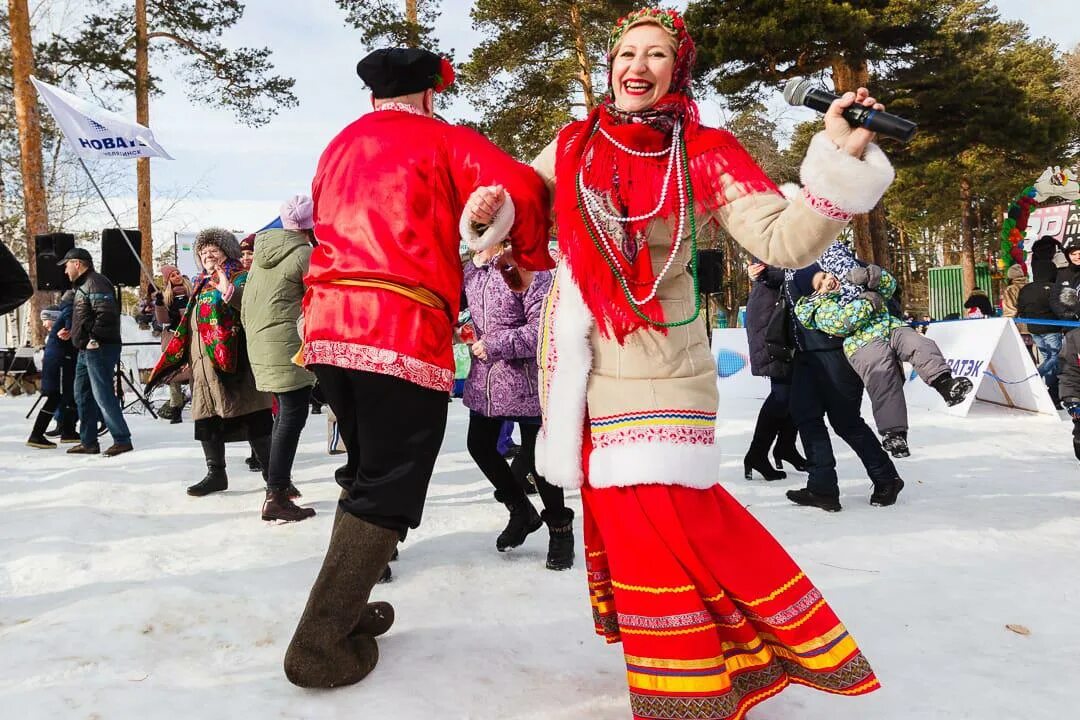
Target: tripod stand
(123,379)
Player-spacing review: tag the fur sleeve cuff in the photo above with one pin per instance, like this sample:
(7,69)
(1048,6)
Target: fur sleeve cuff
(835,177)
(496,232)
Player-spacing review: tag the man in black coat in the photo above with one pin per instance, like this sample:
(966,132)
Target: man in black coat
(1033,302)
(824,383)
(15,287)
(95,333)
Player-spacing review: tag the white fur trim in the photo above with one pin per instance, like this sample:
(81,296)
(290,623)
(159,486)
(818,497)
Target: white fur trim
(496,232)
(655,463)
(790,190)
(849,183)
(558,448)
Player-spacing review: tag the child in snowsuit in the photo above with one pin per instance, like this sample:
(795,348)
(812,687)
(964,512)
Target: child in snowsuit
(876,343)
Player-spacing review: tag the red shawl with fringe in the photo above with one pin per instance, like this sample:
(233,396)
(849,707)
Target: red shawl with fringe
(633,186)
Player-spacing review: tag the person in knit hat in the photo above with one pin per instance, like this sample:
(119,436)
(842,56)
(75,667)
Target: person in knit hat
(1018,278)
(247,250)
(269,313)
(57,377)
(169,307)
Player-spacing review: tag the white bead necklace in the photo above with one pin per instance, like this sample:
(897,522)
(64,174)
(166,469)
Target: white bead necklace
(594,210)
(670,152)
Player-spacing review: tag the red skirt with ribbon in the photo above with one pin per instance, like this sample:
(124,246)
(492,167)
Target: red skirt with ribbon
(714,616)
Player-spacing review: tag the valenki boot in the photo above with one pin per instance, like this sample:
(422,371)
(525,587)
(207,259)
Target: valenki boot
(333,644)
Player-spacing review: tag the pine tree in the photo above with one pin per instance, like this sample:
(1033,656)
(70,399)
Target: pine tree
(745,47)
(992,114)
(541,64)
(409,23)
(115,44)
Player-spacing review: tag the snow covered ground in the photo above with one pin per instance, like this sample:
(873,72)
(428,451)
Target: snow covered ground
(121,597)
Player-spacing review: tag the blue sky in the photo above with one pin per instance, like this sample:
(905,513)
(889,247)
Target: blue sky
(236,176)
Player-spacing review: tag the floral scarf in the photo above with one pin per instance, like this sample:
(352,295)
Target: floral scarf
(216,322)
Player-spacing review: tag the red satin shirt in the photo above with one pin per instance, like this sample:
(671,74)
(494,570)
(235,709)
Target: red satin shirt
(389,192)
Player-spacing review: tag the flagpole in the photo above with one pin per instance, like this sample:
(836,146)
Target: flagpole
(127,240)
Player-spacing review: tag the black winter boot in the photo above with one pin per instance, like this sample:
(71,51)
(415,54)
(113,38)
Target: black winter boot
(216,480)
(37,437)
(885,494)
(560,554)
(809,498)
(523,520)
(895,443)
(952,390)
(757,457)
(333,644)
(785,450)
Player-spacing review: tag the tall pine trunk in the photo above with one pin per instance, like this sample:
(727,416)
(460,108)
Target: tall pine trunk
(871,238)
(967,238)
(35,205)
(142,116)
(412,18)
(581,51)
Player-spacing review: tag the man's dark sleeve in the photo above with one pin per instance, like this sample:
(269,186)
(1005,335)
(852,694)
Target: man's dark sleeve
(15,287)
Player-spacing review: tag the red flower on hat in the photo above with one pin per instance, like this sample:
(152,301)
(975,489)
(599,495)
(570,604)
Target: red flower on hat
(446,75)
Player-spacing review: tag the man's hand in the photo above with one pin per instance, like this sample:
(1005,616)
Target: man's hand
(755,269)
(63,334)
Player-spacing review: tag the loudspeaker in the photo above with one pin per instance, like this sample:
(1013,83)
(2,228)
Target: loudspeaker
(710,271)
(117,261)
(48,249)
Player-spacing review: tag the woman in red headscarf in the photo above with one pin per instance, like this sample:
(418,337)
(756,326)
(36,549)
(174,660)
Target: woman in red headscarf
(714,616)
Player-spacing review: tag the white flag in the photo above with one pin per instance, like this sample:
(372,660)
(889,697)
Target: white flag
(95,132)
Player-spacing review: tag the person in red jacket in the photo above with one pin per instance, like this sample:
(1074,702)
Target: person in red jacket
(383,293)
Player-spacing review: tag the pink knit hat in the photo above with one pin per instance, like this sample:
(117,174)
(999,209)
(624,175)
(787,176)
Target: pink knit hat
(296,213)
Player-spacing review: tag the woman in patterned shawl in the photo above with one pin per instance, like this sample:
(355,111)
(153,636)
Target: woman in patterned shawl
(713,614)
(225,404)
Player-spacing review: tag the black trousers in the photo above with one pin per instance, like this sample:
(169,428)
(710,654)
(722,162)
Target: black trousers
(824,384)
(394,430)
(483,442)
(290,421)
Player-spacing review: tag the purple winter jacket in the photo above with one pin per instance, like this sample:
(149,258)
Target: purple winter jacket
(509,324)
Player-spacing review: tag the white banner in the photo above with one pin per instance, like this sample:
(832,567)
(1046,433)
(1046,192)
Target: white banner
(732,355)
(991,353)
(93,131)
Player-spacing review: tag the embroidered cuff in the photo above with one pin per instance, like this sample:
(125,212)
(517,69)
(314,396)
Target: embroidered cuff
(826,207)
(496,232)
(835,182)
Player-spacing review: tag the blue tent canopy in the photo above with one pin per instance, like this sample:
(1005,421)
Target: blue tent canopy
(275,224)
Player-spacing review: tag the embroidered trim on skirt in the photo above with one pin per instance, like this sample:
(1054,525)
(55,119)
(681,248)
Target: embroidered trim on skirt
(713,614)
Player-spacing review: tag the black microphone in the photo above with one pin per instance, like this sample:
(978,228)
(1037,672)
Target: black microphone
(800,91)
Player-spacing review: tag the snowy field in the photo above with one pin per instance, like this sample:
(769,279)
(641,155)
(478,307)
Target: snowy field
(121,597)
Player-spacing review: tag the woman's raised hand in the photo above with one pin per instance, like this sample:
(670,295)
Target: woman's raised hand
(484,203)
(221,280)
(850,140)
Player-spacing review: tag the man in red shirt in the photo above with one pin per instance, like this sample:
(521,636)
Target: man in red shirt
(383,290)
